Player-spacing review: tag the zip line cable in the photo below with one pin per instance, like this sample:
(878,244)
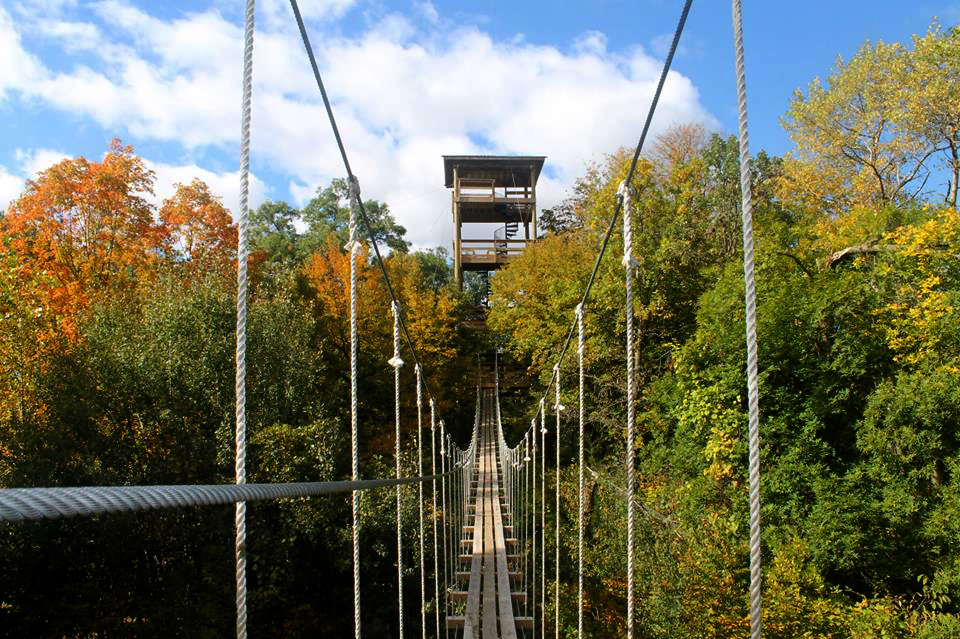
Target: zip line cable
(361,208)
(633,167)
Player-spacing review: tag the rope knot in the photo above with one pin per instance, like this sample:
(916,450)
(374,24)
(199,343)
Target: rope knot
(395,361)
(354,184)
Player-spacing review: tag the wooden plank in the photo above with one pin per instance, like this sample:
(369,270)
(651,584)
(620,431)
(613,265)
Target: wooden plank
(489,534)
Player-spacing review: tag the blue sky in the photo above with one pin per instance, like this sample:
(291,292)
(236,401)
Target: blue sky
(410,81)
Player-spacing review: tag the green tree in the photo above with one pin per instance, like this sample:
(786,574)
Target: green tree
(329,211)
(933,97)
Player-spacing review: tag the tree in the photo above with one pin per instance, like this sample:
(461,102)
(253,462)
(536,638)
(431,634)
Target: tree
(88,225)
(435,267)
(562,218)
(933,97)
(680,144)
(329,211)
(198,228)
(273,231)
(851,131)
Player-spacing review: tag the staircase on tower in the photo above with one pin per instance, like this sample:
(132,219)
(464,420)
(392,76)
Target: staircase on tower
(497,196)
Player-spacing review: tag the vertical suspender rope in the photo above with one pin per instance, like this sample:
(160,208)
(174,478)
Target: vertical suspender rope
(556,529)
(543,518)
(396,363)
(446,553)
(353,246)
(527,515)
(433,471)
(533,563)
(240,459)
(751,336)
(628,265)
(580,490)
(423,576)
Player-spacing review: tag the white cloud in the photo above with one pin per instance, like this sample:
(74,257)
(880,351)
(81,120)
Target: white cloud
(429,11)
(10,187)
(403,94)
(74,36)
(33,161)
(277,13)
(18,68)
(226,185)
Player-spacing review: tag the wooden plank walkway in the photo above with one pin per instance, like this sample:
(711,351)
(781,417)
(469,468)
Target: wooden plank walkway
(489,598)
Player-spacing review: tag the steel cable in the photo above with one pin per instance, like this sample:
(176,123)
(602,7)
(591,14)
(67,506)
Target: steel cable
(630,173)
(30,504)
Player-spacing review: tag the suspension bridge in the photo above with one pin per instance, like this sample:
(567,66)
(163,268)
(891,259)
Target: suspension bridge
(490,575)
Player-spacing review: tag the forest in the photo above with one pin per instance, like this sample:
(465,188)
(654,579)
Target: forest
(116,368)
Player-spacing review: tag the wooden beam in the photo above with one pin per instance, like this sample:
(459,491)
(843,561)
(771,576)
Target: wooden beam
(533,196)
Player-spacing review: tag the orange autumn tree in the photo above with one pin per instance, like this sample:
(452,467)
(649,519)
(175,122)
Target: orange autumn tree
(328,274)
(87,226)
(198,229)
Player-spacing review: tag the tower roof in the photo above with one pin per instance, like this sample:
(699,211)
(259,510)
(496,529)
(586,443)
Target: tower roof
(506,170)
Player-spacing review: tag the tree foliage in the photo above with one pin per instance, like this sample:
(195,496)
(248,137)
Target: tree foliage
(117,343)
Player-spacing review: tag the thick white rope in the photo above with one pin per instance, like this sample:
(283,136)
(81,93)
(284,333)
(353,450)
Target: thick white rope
(526,512)
(423,575)
(558,407)
(751,304)
(353,246)
(533,563)
(397,363)
(543,518)
(628,265)
(240,459)
(446,551)
(580,491)
(433,466)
